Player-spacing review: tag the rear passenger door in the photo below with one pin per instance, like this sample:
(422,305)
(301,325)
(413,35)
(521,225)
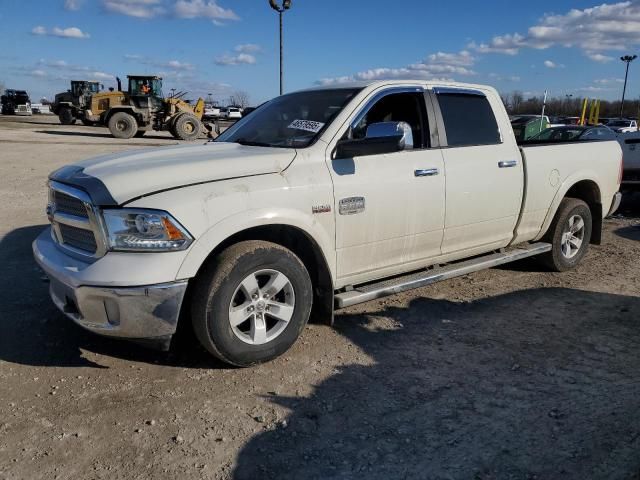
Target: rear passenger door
(484,171)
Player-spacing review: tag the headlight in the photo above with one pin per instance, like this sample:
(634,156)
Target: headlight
(144,231)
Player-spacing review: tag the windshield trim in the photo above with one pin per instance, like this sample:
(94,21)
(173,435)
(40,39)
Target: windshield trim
(355,91)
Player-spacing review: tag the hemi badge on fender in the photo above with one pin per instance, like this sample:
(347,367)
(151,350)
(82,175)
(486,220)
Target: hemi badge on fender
(320,208)
(351,205)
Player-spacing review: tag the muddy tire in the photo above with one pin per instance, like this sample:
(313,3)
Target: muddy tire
(569,235)
(187,127)
(251,303)
(171,125)
(123,125)
(66,116)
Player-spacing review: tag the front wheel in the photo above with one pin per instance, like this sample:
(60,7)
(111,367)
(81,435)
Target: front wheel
(569,235)
(187,127)
(66,116)
(251,302)
(123,125)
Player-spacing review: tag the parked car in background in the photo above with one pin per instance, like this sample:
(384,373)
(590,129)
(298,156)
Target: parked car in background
(247,110)
(223,112)
(623,125)
(320,199)
(570,133)
(570,120)
(211,112)
(234,113)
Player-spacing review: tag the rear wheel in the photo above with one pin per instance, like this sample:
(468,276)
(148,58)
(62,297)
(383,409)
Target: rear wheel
(123,125)
(66,116)
(569,235)
(187,127)
(251,303)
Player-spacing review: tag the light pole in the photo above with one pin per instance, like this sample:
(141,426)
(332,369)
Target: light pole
(626,59)
(569,97)
(286,5)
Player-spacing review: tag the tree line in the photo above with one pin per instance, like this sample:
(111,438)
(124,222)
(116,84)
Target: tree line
(565,106)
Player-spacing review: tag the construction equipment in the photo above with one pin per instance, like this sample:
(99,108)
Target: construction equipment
(143,107)
(72,104)
(15,102)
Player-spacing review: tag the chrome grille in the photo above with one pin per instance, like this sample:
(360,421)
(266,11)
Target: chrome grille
(67,204)
(74,222)
(78,238)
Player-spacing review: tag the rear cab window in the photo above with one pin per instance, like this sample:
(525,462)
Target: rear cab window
(468,119)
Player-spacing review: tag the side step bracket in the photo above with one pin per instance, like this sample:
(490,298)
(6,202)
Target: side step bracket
(371,291)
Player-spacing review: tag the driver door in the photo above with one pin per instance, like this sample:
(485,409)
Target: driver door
(389,207)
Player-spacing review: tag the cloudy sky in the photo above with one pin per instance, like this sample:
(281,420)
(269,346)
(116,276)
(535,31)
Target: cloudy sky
(218,46)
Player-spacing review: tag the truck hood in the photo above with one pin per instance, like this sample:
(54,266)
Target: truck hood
(138,173)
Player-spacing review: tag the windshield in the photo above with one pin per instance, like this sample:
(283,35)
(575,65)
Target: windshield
(619,123)
(290,121)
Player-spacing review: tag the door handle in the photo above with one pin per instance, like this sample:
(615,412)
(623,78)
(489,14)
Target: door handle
(507,163)
(426,172)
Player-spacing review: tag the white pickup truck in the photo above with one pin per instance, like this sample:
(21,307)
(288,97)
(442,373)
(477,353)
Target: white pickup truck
(319,199)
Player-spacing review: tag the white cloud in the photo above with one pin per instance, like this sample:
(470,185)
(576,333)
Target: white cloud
(177,65)
(135,8)
(204,9)
(608,81)
(614,26)
(460,59)
(550,64)
(69,32)
(170,64)
(73,4)
(248,48)
(438,67)
(240,59)
(598,57)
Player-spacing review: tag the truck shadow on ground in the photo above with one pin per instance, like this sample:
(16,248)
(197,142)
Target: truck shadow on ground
(541,383)
(66,133)
(34,332)
(630,205)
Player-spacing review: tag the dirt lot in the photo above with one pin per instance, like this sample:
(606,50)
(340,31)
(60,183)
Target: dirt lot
(508,373)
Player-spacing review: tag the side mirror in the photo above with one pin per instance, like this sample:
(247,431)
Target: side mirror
(383,137)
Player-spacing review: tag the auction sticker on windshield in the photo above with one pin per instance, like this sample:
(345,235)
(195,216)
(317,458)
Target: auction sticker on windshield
(307,125)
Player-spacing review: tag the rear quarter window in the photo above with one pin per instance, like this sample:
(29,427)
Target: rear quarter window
(468,120)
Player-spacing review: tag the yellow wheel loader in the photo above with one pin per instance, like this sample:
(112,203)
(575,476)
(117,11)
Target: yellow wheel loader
(143,107)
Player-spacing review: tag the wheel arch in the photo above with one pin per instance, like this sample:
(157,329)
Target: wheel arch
(303,245)
(587,190)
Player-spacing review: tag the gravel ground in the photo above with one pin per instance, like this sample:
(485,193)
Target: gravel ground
(507,373)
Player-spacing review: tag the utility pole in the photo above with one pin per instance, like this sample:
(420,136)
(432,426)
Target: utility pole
(568,103)
(286,5)
(626,59)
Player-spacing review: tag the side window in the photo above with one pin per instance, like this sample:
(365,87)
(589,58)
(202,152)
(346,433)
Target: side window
(397,107)
(468,120)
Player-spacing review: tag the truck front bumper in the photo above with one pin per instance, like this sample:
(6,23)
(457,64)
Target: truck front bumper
(148,313)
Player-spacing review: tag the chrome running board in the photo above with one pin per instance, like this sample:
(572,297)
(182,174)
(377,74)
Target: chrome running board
(371,291)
